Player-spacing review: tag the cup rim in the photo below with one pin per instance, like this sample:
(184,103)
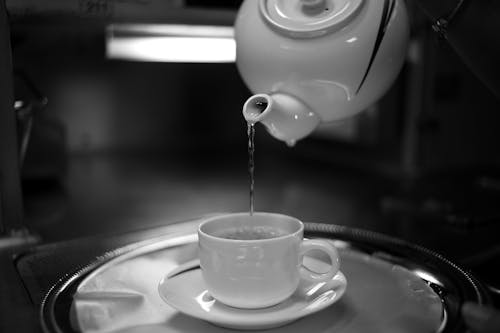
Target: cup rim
(253,241)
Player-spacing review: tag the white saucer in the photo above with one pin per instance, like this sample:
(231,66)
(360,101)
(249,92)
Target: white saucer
(184,290)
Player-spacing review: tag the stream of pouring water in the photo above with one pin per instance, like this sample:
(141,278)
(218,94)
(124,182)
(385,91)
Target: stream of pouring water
(251,163)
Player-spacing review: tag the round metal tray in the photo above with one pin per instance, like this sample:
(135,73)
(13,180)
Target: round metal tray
(451,283)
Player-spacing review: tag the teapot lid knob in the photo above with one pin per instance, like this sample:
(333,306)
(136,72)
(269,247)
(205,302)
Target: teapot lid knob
(313,4)
(309,18)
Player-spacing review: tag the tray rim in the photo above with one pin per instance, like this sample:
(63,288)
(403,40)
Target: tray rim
(374,240)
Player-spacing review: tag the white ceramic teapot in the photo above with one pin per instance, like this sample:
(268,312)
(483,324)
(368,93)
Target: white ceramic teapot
(313,61)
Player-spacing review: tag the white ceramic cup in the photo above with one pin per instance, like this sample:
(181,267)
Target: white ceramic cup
(258,273)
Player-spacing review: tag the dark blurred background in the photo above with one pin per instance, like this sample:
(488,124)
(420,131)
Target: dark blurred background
(125,145)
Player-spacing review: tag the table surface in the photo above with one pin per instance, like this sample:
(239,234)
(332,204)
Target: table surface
(104,201)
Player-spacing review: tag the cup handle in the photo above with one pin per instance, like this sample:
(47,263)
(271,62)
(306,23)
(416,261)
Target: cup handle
(326,247)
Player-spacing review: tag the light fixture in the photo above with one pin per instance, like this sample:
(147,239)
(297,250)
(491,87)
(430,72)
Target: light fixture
(171,43)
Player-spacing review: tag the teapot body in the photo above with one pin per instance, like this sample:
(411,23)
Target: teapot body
(338,63)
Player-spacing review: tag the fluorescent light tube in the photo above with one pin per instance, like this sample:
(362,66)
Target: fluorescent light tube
(171,43)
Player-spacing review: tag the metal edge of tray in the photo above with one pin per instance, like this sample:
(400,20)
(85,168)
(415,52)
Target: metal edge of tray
(453,284)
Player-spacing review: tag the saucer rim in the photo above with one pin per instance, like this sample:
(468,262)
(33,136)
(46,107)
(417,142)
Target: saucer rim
(265,319)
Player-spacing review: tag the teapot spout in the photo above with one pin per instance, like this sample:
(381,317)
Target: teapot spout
(285,117)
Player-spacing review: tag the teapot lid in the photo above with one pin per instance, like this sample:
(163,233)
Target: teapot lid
(309,18)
